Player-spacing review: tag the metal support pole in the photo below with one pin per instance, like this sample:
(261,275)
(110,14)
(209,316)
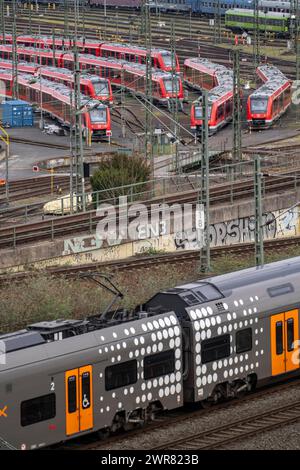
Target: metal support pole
(123,120)
(15,88)
(204,192)
(72,128)
(80,184)
(53,45)
(217,22)
(259,237)
(149,99)
(30,17)
(236,116)
(256,38)
(2,13)
(6,173)
(174,102)
(66,20)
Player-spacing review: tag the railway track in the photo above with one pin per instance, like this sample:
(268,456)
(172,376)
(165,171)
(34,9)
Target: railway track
(87,222)
(189,39)
(38,143)
(145,262)
(167,420)
(34,187)
(237,430)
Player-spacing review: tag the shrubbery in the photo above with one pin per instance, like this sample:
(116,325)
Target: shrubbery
(119,171)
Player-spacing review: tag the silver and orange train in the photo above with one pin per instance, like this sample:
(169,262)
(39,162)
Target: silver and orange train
(202,341)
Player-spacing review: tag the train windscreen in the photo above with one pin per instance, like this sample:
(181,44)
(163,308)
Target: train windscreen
(171,86)
(98,115)
(198,112)
(258,105)
(167,59)
(101,89)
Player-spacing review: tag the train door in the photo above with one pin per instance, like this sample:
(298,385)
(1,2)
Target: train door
(284,342)
(79,400)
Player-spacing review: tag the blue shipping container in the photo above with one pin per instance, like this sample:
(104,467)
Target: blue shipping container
(16,113)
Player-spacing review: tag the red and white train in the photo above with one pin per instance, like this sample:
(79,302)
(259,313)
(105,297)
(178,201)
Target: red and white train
(166,87)
(218,81)
(161,59)
(91,85)
(271,100)
(55,100)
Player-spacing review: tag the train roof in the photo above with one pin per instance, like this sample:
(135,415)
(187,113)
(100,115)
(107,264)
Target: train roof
(224,77)
(200,63)
(274,79)
(49,40)
(84,75)
(59,88)
(255,275)
(156,73)
(244,11)
(274,4)
(258,287)
(134,47)
(53,339)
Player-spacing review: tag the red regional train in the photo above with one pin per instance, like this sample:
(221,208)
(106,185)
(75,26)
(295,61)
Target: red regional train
(166,87)
(55,101)
(271,100)
(91,85)
(218,81)
(161,59)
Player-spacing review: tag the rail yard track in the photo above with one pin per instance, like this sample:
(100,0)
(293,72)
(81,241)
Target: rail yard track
(199,36)
(34,187)
(237,430)
(151,261)
(86,222)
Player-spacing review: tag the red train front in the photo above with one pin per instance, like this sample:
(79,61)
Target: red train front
(98,122)
(271,100)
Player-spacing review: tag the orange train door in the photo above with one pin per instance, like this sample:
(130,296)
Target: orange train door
(79,400)
(284,342)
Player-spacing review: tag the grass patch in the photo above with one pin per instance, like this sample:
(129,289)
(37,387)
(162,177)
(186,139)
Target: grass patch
(43,297)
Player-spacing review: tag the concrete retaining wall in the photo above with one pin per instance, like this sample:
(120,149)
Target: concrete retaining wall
(229,224)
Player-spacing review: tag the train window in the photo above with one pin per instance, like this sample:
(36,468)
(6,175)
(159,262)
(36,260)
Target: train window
(120,375)
(290,334)
(228,107)
(72,394)
(258,105)
(220,111)
(86,390)
(279,338)
(243,340)
(159,364)
(215,348)
(38,409)
(280,290)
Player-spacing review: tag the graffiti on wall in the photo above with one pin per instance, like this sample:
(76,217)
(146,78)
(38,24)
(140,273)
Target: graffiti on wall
(275,224)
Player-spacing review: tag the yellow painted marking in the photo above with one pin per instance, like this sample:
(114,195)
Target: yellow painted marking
(3,412)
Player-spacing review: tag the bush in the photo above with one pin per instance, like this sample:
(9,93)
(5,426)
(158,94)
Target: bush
(118,171)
